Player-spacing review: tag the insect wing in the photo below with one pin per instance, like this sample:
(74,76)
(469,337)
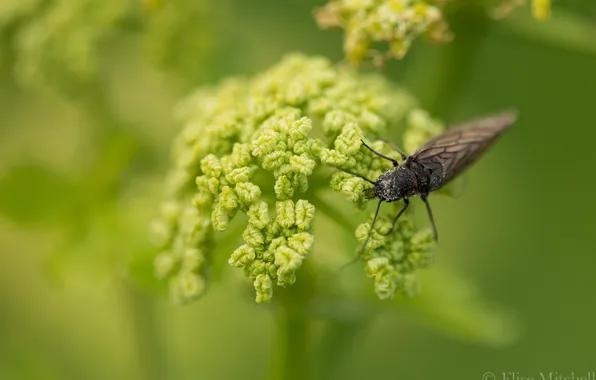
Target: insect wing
(449,154)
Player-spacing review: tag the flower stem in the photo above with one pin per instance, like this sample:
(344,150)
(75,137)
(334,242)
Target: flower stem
(146,334)
(292,345)
(346,222)
(337,339)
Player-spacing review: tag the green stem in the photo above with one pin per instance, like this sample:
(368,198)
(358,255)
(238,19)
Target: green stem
(336,340)
(337,216)
(292,345)
(146,334)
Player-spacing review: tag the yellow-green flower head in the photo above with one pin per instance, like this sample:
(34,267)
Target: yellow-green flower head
(395,22)
(368,24)
(252,153)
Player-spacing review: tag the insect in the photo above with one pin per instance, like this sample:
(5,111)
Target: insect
(432,166)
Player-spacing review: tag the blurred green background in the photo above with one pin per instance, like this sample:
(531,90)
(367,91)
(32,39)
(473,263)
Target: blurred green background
(87,92)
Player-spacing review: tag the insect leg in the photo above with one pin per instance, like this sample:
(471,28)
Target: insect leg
(391,144)
(432,219)
(393,161)
(372,225)
(406,204)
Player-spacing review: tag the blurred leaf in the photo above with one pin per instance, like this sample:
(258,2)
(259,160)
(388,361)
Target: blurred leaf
(446,304)
(565,30)
(32,194)
(93,255)
(106,173)
(453,307)
(24,362)
(112,242)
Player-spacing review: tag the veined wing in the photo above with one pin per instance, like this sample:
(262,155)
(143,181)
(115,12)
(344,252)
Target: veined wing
(453,151)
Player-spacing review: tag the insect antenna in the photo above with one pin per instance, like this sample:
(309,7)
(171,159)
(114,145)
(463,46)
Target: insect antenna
(391,144)
(372,225)
(432,219)
(356,175)
(393,161)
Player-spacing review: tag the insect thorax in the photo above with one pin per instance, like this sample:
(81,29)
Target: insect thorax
(428,178)
(396,184)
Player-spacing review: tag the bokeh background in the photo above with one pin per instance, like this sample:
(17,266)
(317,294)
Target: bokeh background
(87,92)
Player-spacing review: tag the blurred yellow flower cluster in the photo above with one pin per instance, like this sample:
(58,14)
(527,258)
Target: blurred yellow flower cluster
(541,9)
(385,29)
(62,43)
(395,22)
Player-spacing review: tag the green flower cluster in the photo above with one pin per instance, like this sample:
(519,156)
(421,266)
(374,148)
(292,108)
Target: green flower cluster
(393,257)
(250,146)
(395,22)
(60,43)
(275,249)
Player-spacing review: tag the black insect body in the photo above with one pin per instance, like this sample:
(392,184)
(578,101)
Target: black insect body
(435,164)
